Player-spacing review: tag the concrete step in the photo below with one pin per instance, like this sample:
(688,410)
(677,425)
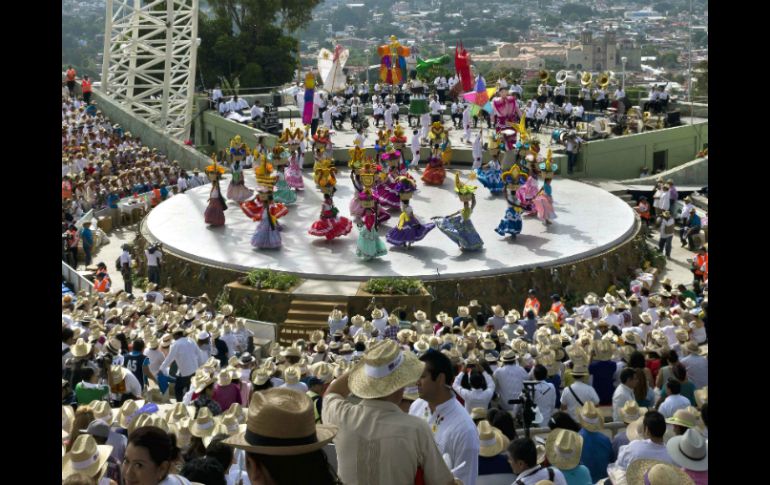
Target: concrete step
(317,306)
(301,322)
(308,315)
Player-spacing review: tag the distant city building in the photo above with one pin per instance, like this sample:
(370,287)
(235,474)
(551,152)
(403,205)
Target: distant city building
(508,55)
(604,53)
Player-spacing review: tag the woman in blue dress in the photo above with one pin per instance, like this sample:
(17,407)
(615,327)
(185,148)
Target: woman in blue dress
(491,176)
(268,234)
(369,245)
(511,223)
(458,226)
(283,192)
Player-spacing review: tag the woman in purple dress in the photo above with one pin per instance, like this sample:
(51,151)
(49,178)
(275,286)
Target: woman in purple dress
(409,228)
(215,212)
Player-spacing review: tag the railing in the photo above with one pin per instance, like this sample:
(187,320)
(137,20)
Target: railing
(75,280)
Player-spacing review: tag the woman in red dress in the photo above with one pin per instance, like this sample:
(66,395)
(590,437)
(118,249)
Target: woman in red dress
(329,225)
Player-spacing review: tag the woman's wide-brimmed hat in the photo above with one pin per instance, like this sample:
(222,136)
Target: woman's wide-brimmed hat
(384,369)
(492,440)
(85,457)
(563,448)
(655,472)
(80,349)
(690,450)
(282,422)
(203,425)
(590,417)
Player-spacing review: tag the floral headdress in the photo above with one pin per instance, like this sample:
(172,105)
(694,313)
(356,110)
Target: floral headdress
(264,171)
(461,188)
(215,168)
(548,166)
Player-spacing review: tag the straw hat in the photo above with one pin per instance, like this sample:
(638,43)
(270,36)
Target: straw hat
(384,369)
(492,440)
(684,417)
(118,373)
(125,412)
(101,410)
(479,413)
(177,413)
(508,356)
(260,376)
(358,320)
(563,448)
(322,371)
(80,349)
(227,310)
(579,369)
(498,311)
(85,457)
(292,374)
(488,344)
(603,349)
(655,472)
(291,352)
(702,396)
(203,425)
(590,299)
(692,347)
(690,450)
(421,346)
(463,311)
(377,314)
(67,418)
(182,431)
(201,381)
(346,348)
(282,422)
(631,412)
(224,378)
(590,417)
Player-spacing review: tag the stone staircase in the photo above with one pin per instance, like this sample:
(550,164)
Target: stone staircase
(308,314)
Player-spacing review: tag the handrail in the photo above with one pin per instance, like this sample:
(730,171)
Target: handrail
(75,280)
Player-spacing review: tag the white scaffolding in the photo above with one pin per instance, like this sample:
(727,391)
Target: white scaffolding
(150,51)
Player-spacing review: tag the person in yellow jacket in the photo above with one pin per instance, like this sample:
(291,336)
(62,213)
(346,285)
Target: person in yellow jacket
(315,393)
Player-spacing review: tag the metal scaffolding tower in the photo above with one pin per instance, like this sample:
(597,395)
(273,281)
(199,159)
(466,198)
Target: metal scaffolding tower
(150,51)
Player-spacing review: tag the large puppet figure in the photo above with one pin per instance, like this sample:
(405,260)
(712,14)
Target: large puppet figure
(393,62)
(463,67)
(505,110)
(307,110)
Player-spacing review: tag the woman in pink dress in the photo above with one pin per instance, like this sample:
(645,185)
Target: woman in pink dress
(293,172)
(215,212)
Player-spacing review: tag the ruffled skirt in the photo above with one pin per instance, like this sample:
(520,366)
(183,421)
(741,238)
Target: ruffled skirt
(461,232)
(544,207)
(238,192)
(357,210)
(215,213)
(387,196)
(511,224)
(491,179)
(266,237)
(369,244)
(434,175)
(411,232)
(284,194)
(331,228)
(293,175)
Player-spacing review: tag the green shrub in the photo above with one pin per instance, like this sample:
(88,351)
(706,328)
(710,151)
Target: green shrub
(269,279)
(393,286)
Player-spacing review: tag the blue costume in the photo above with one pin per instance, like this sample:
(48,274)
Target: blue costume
(491,178)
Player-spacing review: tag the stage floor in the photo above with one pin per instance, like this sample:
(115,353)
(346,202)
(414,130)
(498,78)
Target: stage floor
(589,221)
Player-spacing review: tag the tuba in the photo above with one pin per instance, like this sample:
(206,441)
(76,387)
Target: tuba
(543,76)
(563,77)
(586,78)
(604,80)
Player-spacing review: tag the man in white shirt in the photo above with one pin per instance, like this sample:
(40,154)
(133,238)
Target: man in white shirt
(578,393)
(476,397)
(456,114)
(441,87)
(651,447)
(453,429)
(577,114)
(216,95)
(510,380)
(666,229)
(415,149)
(187,356)
(516,88)
(256,111)
(697,366)
(466,124)
(477,151)
(545,394)
(388,114)
(624,392)
(378,111)
(566,114)
(674,400)
(425,120)
(435,110)
(327,118)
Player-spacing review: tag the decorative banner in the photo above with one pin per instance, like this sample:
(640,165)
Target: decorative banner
(330,66)
(463,67)
(423,65)
(307,113)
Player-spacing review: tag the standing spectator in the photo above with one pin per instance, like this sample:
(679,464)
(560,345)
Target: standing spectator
(154,256)
(573,142)
(666,232)
(478,396)
(71,75)
(692,228)
(88,241)
(125,268)
(397,446)
(602,370)
(579,392)
(510,380)
(139,364)
(85,86)
(187,357)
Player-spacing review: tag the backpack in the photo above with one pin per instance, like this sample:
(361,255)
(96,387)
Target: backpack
(118,266)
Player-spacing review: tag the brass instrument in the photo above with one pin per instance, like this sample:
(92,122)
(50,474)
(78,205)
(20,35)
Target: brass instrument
(543,75)
(604,80)
(586,78)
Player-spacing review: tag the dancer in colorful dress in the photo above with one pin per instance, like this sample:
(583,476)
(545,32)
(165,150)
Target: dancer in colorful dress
(409,229)
(434,173)
(237,189)
(381,144)
(511,223)
(399,143)
(215,211)
(543,201)
(283,192)
(526,194)
(267,235)
(491,176)
(365,174)
(369,245)
(386,193)
(458,226)
(329,225)
(293,171)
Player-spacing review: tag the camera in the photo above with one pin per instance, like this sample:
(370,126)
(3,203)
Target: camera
(527,400)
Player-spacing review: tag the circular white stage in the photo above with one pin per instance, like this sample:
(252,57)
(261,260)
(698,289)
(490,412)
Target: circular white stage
(589,221)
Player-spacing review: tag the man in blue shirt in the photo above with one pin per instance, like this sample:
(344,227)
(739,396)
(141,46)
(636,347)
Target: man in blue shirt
(88,241)
(597,448)
(692,228)
(112,202)
(529,325)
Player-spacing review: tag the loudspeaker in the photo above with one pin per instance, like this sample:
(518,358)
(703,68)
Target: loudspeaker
(673,118)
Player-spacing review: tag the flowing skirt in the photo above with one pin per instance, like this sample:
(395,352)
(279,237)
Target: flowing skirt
(331,228)
(238,192)
(387,195)
(357,210)
(293,175)
(461,232)
(283,193)
(215,213)
(411,232)
(266,237)
(369,244)
(434,175)
(544,207)
(491,179)
(511,224)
